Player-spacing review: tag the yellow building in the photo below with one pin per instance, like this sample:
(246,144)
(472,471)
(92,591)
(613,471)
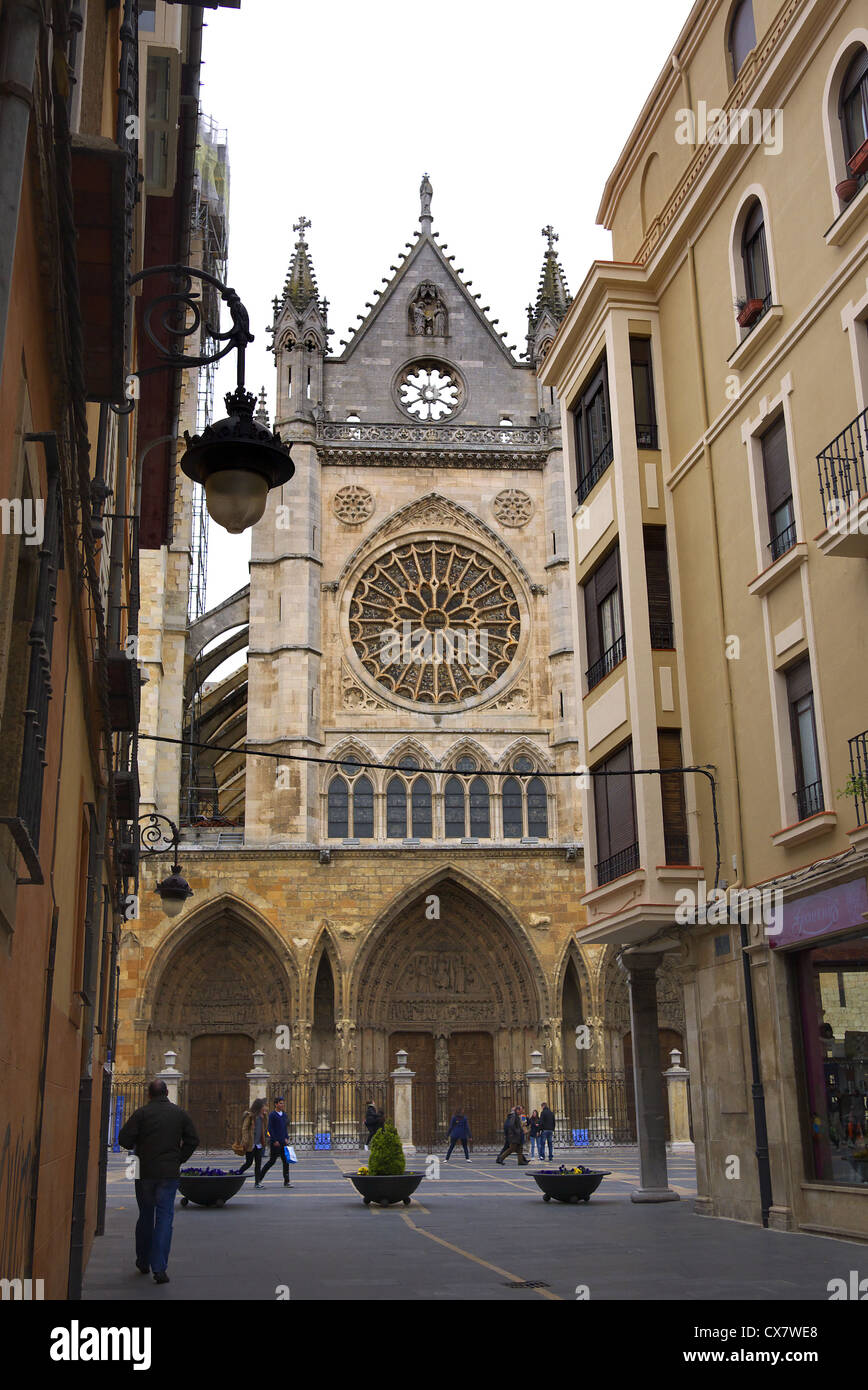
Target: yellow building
(714,382)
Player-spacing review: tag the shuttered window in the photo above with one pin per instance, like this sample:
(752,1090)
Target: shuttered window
(604,619)
(803,730)
(659,594)
(755,255)
(779,489)
(675,836)
(593,431)
(854,104)
(643,393)
(615,816)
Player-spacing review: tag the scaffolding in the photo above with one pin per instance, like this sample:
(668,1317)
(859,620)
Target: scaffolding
(209,241)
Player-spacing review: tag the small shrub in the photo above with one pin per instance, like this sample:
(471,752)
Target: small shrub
(387,1152)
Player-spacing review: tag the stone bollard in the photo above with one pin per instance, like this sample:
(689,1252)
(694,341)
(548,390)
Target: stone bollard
(257,1080)
(402,1082)
(170,1075)
(677,1079)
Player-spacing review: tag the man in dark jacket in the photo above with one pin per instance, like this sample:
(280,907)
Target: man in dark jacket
(163,1137)
(278,1133)
(546,1130)
(513,1131)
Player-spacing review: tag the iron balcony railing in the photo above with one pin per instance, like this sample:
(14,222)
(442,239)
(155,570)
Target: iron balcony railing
(809,799)
(607,662)
(859,775)
(624,862)
(588,481)
(783,541)
(842,469)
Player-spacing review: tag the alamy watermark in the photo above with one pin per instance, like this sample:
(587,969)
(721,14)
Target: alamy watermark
(23,517)
(755,906)
(452,645)
(710,125)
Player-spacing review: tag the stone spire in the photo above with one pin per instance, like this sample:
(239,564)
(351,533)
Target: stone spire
(425,195)
(261,415)
(552,301)
(300,287)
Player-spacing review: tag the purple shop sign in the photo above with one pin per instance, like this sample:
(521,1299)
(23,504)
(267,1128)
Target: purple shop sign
(834,910)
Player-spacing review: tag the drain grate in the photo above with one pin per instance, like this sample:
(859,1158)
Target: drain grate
(528,1284)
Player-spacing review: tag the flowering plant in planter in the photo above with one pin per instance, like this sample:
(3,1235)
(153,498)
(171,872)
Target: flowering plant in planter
(206,1173)
(749,311)
(363,1170)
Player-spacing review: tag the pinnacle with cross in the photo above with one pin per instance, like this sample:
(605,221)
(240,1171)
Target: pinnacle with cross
(552,235)
(301,225)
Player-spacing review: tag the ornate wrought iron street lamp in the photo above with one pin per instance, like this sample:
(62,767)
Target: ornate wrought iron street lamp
(174,890)
(237,460)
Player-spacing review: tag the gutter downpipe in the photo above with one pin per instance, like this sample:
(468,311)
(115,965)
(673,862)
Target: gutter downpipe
(757,1091)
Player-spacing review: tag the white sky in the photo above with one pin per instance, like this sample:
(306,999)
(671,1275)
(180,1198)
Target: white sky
(335,110)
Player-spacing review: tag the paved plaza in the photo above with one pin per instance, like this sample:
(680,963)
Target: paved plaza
(469,1235)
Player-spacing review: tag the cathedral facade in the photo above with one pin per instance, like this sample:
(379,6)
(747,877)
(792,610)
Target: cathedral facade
(383,835)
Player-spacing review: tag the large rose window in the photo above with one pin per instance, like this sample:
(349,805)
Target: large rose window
(434,622)
(430,390)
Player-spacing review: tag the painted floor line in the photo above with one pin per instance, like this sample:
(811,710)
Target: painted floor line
(456,1249)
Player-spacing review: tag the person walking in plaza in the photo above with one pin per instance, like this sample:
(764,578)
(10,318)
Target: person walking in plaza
(459,1131)
(533,1129)
(513,1130)
(163,1137)
(374,1120)
(278,1134)
(546,1130)
(254,1133)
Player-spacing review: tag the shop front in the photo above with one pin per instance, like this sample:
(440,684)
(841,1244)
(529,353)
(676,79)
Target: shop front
(824,937)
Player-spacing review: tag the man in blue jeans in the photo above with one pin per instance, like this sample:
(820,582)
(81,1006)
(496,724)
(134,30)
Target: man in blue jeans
(546,1129)
(163,1137)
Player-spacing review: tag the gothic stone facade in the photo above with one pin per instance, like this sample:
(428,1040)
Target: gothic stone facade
(419,901)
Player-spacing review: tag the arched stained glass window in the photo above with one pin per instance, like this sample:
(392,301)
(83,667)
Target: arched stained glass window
(363,809)
(339,809)
(480,815)
(537,808)
(465,764)
(454,808)
(513,798)
(396,810)
(420,801)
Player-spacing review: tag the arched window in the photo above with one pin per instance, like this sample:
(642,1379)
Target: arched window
(339,809)
(480,814)
(396,810)
(853,107)
(754,253)
(742,36)
(420,798)
(513,809)
(537,809)
(350,804)
(454,808)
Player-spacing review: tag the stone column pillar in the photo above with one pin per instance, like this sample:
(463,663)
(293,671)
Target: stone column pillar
(677,1078)
(402,1081)
(258,1079)
(537,1082)
(648,1079)
(322,1087)
(170,1075)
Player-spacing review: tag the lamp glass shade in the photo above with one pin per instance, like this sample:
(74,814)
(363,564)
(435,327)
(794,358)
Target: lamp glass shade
(173,906)
(236,498)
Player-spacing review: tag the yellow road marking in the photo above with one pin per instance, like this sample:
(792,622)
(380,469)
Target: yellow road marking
(477,1260)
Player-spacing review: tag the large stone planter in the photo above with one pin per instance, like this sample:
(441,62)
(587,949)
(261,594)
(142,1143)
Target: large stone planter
(210,1191)
(385,1189)
(568,1187)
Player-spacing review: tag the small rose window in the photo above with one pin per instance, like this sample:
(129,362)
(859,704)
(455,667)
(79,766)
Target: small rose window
(430,391)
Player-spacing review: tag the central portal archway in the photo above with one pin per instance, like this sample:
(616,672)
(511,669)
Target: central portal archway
(448,980)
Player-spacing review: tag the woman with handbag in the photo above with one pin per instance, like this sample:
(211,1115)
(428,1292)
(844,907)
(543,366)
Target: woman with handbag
(254,1133)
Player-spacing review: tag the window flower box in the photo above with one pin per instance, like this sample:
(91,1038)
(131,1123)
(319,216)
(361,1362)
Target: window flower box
(858,163)
(749,312)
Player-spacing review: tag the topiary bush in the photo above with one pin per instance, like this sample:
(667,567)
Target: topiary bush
(387,1152)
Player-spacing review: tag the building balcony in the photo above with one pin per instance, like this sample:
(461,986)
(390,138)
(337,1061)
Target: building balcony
(858,780)
(662,637)
(782,542)
(588,481)
(607,662)
(844,490)
(624,862)
(809,800)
